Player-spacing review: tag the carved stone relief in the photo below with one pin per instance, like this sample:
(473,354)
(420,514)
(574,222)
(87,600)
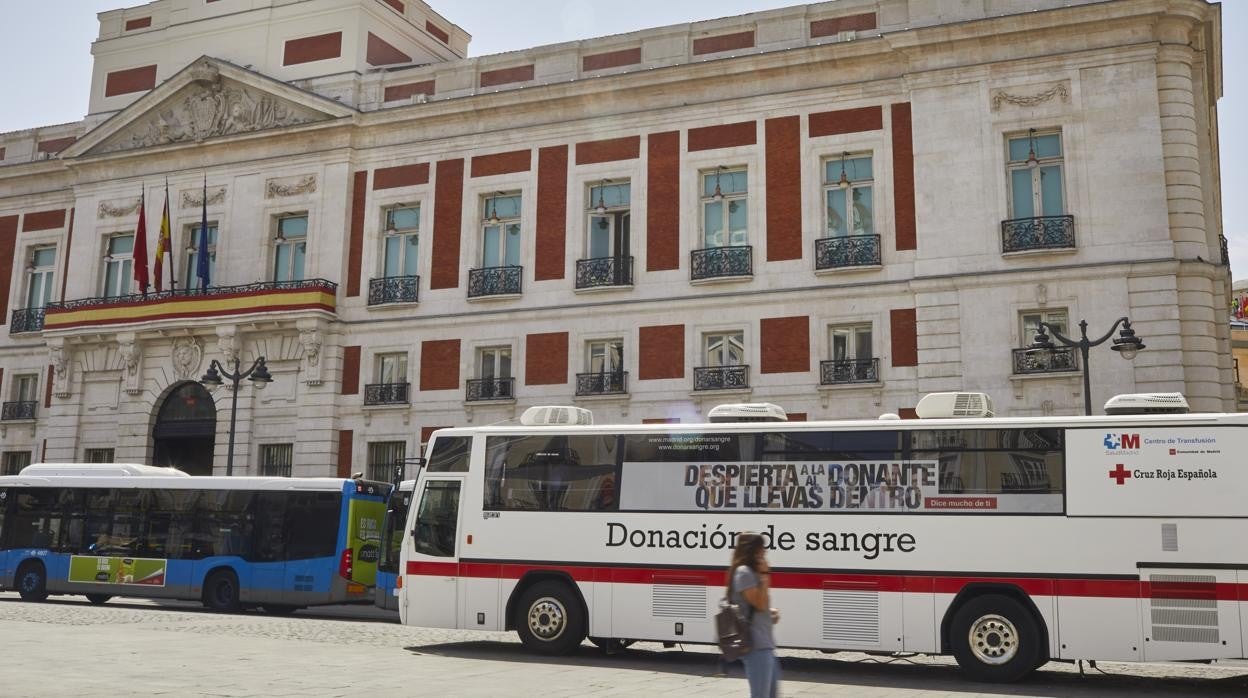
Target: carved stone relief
(118,208)
(131,353)
(194,198)
(1032,95)
(187,357)
(58,356)
(289,186)
(310,341)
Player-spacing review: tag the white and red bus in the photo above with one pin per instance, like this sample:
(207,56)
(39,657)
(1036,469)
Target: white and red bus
(1006,542)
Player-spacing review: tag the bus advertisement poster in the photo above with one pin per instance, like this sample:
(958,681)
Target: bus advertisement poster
(364,537)
(117,570)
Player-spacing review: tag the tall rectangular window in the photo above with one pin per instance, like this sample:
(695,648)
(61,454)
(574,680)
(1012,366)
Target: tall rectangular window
(1035,172)
(383,457)
(605,356)
(290,248)
(118,258)
(494,362)
(192,256)
(401,241)
(725,208)
(847,187)
(391,368)
(26,387)
(276,459)
(609,220)
(39,276)
(850,341)
(500,233)
(14,461)
(1030,323)
(724,348)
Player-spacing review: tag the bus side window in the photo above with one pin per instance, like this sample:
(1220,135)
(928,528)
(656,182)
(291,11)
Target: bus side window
(450,454)
(437,519)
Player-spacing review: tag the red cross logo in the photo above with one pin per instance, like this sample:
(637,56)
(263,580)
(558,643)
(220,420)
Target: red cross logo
(1120,473)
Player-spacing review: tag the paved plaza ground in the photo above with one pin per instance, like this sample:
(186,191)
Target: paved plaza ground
(130,647)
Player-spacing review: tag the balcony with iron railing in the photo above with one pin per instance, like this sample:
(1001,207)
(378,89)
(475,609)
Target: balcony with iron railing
(386,393)
(18,410)
(603,383)
(604,272)
(849,371)
(721,262)
(480,389)
(394,289)
(494,281)
(847,252)
(721,377)
(26,320)
(1058,360)
(1039,233)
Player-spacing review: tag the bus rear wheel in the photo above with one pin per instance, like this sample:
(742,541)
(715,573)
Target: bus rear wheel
(98,599)
(995,638)
(221,591)
(32,581)
(549,619)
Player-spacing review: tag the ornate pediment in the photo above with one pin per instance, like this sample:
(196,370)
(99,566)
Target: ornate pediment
(210,99)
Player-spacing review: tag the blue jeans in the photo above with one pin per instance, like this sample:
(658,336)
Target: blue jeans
(762,670)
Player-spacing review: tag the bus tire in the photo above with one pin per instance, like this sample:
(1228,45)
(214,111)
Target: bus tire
(995,638)
(32,581)
(98,599)
(279,609)
(221,591)
(549,619)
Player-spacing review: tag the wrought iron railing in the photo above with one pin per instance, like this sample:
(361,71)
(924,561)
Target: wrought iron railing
(20,409)
(1041,233)
(839,371)
(1057,360)
(26,320)
(490,389)
(612,383)
(847,251)
(720,262)
(604,271)
(494,281)
(386,393)
(721,377)
(394,289)
(1225,249)
(241,289)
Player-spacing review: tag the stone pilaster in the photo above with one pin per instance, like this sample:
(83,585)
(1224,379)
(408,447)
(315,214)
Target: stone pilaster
(1179,139)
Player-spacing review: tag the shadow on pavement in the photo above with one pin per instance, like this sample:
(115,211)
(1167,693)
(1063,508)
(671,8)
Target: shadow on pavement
(866,673)
(358,613)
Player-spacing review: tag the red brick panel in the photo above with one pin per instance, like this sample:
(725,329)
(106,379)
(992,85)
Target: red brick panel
(439,364)
(903,178)
(395,4)
(69,245)
(448,196)
(552,212)
(784,188)
(663,207)
(47,387)
(661,352)
(836,25)
(546,359)
(426,433)
(407,89)
(905,336)
(139,23)
(829,123)
(609,150)
(8,245)
(120,82)
(55,145)
(312,48)
(785,344)
(346,442)
(723,42)
(351,370)
(501,163)
(504,76)
(380,52)
(438,32)
(43,220)
(401,176)
(661,420)
(796,416)
(725,136)
(611,59)
(907,413)
(355,245)
(1,152)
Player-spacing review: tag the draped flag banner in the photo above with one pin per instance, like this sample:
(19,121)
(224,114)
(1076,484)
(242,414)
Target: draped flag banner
(140,247)
(163,245)
(201,266)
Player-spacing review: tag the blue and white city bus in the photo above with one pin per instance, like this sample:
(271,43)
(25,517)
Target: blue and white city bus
(104,530)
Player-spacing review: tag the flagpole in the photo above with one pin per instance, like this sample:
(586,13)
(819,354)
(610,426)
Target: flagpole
(173,258)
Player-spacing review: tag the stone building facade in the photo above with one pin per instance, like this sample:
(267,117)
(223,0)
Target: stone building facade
(835,207)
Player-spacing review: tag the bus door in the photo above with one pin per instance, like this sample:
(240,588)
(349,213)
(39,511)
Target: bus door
(431,578)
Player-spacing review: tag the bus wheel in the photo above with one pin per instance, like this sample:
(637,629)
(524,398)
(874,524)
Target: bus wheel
(279,609)
(32,581)
(995,638)
(549,619)
(221,591)
(98,599)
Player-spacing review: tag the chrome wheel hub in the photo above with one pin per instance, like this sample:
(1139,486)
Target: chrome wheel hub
(993,639)
(547,618)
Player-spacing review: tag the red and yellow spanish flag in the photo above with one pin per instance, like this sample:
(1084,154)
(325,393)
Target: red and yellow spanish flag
(163,243)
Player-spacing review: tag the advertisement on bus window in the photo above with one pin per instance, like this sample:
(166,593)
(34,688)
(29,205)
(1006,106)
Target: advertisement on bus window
(364,538)
(117,570)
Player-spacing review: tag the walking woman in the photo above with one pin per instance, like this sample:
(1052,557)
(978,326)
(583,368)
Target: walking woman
(749,585)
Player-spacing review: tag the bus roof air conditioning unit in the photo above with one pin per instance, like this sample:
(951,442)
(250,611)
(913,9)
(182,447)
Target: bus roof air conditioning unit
(100,470)
(951,405)
(1147,403)
(747,412)
(544,416)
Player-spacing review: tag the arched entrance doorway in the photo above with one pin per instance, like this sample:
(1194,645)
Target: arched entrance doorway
(186,428)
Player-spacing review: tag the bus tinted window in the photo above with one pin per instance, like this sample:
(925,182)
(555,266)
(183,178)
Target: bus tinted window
(450,454)
(551,473)
(999,469)
(682,448)
(843,445)
(437,519)
(314,516)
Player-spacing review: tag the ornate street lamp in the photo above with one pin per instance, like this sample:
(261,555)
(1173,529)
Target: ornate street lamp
(259,375)
(1126,344)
